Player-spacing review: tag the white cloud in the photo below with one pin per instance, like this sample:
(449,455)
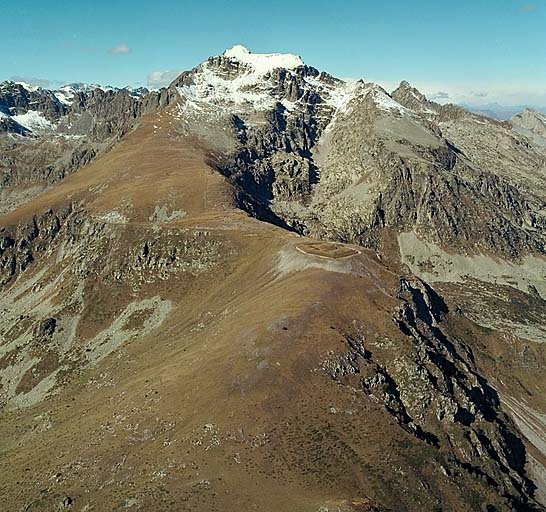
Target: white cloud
(440,95)
(120,49)
(157,79)
(38,82)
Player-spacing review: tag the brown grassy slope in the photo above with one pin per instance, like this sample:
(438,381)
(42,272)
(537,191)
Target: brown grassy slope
(226,405)
(152,165)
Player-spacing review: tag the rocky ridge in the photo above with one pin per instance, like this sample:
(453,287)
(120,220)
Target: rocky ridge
(346,161)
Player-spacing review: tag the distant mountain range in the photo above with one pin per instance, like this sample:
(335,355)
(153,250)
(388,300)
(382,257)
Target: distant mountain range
(501,112)
(64,93)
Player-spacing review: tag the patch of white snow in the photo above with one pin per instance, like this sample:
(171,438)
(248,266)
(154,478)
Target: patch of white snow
(384,101)
(263,63)
(33,121)
(28,87)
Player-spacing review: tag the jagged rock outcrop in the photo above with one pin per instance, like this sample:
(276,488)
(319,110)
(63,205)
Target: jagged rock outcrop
(434,383)
(46,328)
(21,246)
(17,99)
(414,99)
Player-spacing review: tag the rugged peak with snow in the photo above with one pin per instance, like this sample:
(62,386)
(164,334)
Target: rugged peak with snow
(29,110)
(240,81)
(412,98)
(263,63)
(252,84)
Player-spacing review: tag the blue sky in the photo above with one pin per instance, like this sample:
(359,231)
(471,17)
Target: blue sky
(478,50)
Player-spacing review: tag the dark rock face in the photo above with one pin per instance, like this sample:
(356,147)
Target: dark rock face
(108,113)
(46,328)
(21,165)
(274,161)
(412,162)
(16,99)
(437,384)
(22,245)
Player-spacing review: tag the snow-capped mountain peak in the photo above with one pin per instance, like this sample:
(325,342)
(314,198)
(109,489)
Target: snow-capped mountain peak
(28,87)
(67,92)
(238,79)
(263,63)
(241,81)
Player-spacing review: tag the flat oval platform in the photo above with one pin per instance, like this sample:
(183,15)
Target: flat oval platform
(327,250)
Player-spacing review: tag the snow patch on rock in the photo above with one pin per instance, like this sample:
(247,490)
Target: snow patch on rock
(383,100)
(33,121)
(263,63)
